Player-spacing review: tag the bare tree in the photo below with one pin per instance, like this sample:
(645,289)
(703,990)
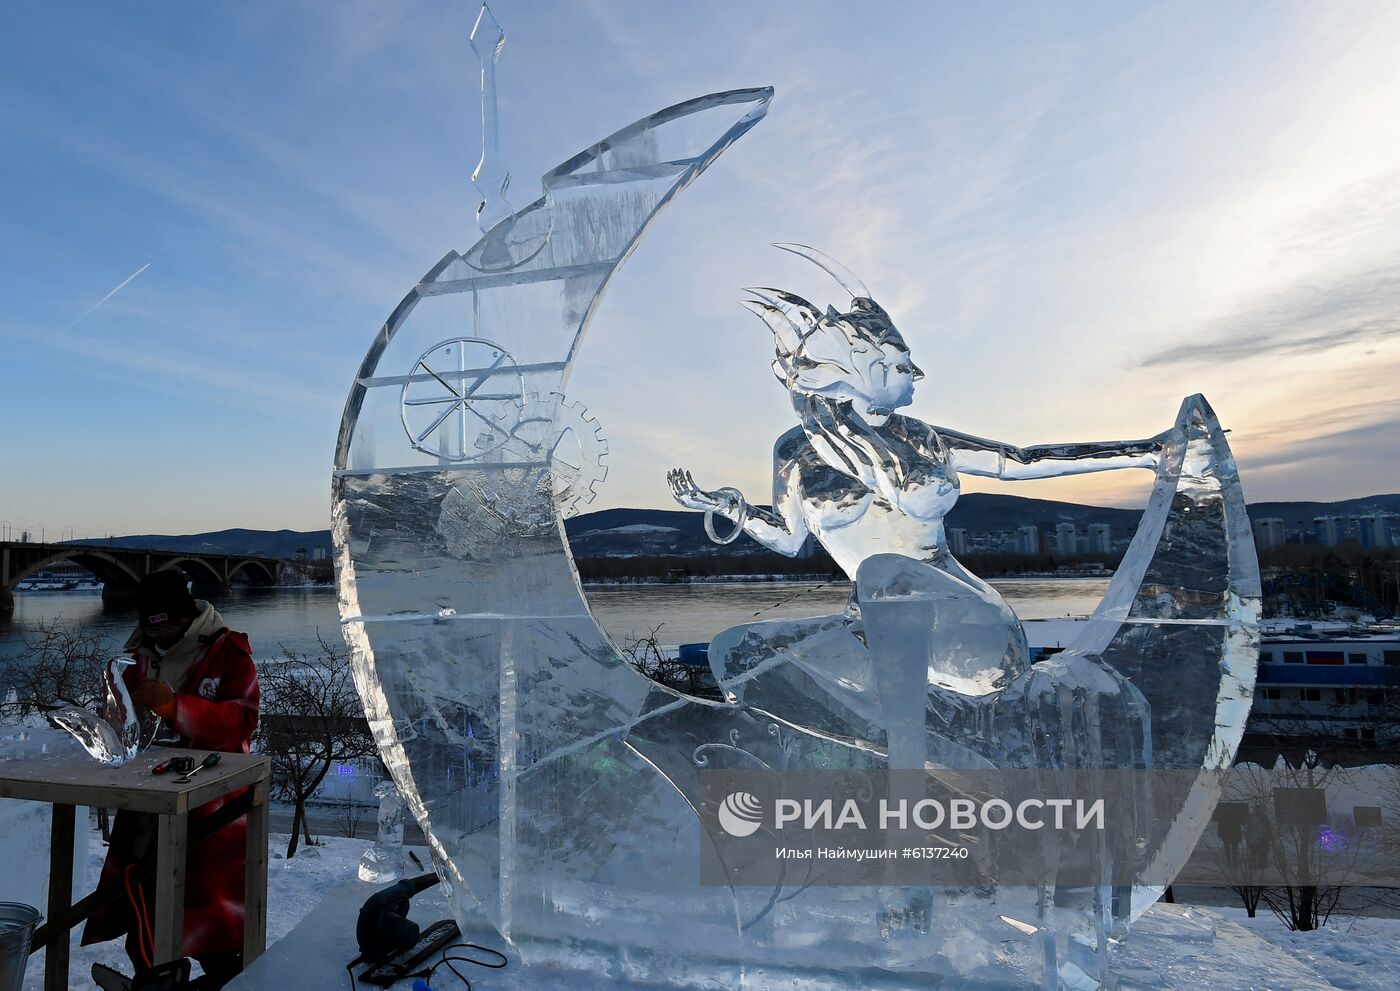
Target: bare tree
(311,720)
(1250,896)
(1244,853)
(59,665)
(1286,856)
(646,655)
(1320,742)
(349,815)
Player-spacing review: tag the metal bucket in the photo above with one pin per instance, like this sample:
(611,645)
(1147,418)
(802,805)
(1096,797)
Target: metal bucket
(17,925)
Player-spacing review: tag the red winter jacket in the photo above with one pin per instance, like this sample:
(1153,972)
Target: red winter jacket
(215,709)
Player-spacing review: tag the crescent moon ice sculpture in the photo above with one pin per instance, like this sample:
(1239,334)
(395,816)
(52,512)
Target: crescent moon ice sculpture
(499,706)
(560,790)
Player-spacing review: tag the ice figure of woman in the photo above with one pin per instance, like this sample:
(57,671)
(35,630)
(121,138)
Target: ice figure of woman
(865,480)
(941,672)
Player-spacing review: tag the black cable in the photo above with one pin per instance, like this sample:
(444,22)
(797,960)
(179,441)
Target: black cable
(447,960)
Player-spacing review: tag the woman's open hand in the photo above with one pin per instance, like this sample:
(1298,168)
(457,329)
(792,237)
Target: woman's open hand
(691,496)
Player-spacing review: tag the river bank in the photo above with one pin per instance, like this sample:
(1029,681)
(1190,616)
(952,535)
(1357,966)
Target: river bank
(293,619)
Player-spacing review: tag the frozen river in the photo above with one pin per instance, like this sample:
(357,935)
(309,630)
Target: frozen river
(292,618)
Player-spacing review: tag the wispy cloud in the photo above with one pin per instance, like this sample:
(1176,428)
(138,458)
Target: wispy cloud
(1348,309)
(1332,279)
(1343,462)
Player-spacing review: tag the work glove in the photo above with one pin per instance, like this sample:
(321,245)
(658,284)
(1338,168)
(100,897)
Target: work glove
(156,696)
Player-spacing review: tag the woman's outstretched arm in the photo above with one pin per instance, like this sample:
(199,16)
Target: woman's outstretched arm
(994,459)
(782,529)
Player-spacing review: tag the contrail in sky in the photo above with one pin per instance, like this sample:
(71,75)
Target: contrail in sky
(120,286)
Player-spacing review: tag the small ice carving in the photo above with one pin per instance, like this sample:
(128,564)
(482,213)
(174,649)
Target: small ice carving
(115,737)
(383,862)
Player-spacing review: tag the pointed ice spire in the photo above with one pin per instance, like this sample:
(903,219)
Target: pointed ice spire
(793,306)
(849,280)
(489,177)
(787,336)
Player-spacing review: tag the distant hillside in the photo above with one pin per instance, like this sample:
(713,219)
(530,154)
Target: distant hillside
(618,532)
(1300,515)
(990,511)
(632,532)
(255,543)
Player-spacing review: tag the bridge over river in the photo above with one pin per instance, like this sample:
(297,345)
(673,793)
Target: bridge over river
(120,568)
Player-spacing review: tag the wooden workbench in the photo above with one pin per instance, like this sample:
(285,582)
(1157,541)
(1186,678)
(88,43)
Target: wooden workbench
(71,780)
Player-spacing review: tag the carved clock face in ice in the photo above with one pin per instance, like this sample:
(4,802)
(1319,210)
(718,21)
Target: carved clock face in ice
(462,399)
(552,465)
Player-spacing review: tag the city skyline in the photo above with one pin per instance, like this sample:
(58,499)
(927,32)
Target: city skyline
(1075,217)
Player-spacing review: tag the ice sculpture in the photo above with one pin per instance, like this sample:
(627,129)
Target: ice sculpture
(490,179)
(1180,618)
(558,788)
(115,736)
(383,862)
(499,706)
(855,474)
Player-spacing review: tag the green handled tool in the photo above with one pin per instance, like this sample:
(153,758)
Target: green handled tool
(209,761)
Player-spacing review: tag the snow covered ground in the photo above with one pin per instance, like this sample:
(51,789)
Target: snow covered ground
(1353,954)
(1349,955)
(294,887)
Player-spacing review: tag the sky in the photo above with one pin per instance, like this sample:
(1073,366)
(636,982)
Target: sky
(1077,215)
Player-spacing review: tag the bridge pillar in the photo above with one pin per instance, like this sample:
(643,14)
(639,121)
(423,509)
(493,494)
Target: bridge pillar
(7,600)
(118,595)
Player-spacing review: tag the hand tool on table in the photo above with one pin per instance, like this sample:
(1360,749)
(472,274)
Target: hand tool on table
(180,765)
(209,761)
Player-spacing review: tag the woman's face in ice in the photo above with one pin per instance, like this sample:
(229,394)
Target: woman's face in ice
(868,365)
(892,376)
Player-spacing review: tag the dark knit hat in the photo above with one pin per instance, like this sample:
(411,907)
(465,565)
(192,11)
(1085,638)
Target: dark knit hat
(163,596)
